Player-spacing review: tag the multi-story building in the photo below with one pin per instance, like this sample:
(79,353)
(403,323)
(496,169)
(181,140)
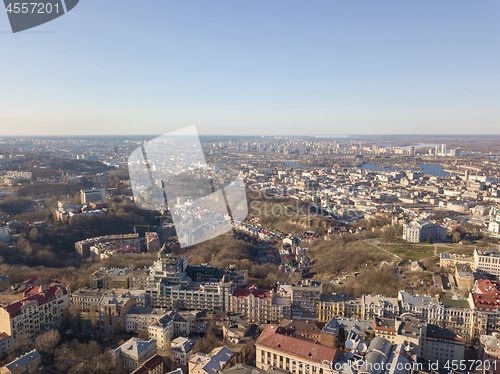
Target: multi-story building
(4,342)
(218,359)
(339,304)
(4,282)
(260,305)
(138,279)
(92,196)
(419,231)
(152,242)
(487,262)
(182,349)
(494,223)
(112,312)
(42,309)
(464,276)
(154,365)
(442,345)
(30,363)
(210,274)
(86,299)
(162,331)
(332,336)
(276,348)
(379,306)
(484,300)
(110,278)
(489,352)
(305,298)
(127,240)
(134,352)
(139,318)
(448,261)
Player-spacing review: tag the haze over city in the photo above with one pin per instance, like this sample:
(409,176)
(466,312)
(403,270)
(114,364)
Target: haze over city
(281,67)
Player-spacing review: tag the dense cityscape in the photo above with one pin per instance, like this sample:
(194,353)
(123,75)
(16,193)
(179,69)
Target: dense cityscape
(359,255)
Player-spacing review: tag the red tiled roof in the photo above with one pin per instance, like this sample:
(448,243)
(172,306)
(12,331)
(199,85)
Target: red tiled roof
(3,335)
(275,338)
(245,292)
(32,279)
(486,294)
(41,298)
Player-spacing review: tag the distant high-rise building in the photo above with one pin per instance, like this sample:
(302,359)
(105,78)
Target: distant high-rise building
(100,180)
(92,196)
(411,150)
(443,150)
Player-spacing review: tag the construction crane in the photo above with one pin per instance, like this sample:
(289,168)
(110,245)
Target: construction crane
(134,226)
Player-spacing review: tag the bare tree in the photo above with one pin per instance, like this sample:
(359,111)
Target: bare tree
(47,342)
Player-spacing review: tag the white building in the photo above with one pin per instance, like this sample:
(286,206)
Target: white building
(487,261)
(419,231)
(93,195)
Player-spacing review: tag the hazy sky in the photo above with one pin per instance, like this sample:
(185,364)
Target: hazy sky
(255,67)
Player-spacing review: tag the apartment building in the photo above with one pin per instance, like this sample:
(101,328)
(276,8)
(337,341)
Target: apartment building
(484,300)
(86,299)
(30,363)
(110,278)
(82,247)
(489,352)
(4,342)
(138,279)
(442,345)
(379,306)
(42,309)
(112,312)
(210,274)
(134,352)
(305,299)
(276,348)
(260,305)
(419,231)
(448,261)
(162,330)
(487,262)
(339,304)
(139,318)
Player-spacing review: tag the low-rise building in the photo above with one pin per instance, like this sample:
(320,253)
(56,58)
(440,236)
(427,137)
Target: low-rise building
(134,352)
(154,365)
(30,363)
(218,359)
(182,349)
(464,276)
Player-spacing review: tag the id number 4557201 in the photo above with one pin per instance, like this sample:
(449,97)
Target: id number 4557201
(33,8)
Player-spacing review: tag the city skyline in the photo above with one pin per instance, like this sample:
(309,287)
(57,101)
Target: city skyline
(242,68)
